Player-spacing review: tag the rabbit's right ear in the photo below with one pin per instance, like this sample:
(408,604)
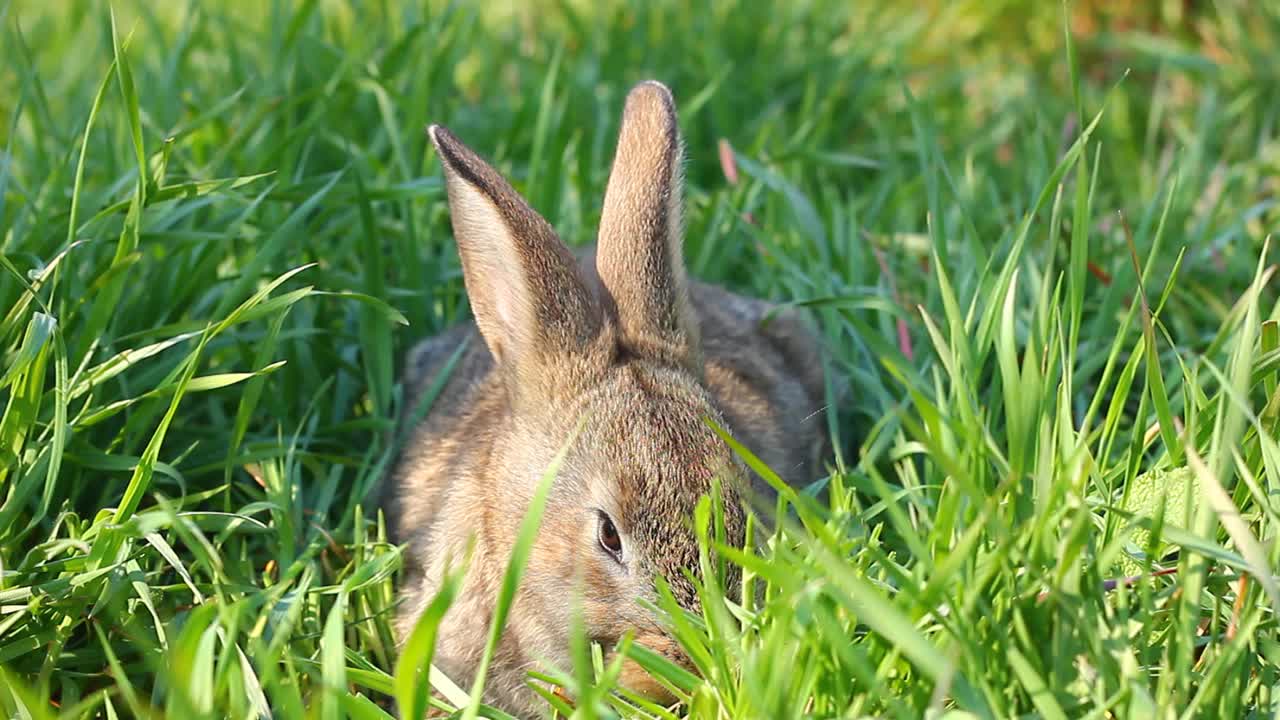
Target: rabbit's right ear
(640,261)
(526,294)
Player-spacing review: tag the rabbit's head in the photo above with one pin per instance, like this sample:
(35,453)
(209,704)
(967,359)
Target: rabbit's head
(612,342)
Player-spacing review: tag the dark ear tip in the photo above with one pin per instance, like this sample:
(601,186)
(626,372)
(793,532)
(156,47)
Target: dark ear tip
(440,135)
(453,153)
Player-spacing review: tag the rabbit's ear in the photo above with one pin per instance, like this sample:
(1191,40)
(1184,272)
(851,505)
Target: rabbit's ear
(526,294)
(639,258)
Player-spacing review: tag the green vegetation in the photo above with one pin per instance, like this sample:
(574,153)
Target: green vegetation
(1043,267)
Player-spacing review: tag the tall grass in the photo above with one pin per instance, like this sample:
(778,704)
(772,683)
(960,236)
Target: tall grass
(1036,239)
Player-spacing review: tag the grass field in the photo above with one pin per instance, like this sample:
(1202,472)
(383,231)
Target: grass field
(1044,269)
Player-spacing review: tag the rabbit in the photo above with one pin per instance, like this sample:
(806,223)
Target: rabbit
(621,337)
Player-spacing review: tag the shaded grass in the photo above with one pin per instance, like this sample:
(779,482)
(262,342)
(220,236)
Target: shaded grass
(1043,272)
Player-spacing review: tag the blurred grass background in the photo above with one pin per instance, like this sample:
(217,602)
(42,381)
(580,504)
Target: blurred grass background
(222,225)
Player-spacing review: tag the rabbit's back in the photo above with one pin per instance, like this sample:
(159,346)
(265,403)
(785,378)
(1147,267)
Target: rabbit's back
(764,369)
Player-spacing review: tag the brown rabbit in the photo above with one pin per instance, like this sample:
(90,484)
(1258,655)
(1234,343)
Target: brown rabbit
(624,339)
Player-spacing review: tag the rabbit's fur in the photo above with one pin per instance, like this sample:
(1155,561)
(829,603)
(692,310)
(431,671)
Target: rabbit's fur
(619,337)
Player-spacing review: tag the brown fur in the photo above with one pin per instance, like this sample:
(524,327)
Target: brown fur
(621,338)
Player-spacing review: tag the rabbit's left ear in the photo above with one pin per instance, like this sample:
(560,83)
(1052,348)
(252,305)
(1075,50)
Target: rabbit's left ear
(529,302)
(638,257)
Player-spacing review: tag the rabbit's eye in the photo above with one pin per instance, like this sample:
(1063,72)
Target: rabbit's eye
(609,538)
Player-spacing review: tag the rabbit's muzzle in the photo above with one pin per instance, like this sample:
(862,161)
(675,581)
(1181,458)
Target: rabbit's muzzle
(637,679)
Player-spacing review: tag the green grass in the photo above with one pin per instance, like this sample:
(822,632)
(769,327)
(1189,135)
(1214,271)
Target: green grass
(1042,267)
